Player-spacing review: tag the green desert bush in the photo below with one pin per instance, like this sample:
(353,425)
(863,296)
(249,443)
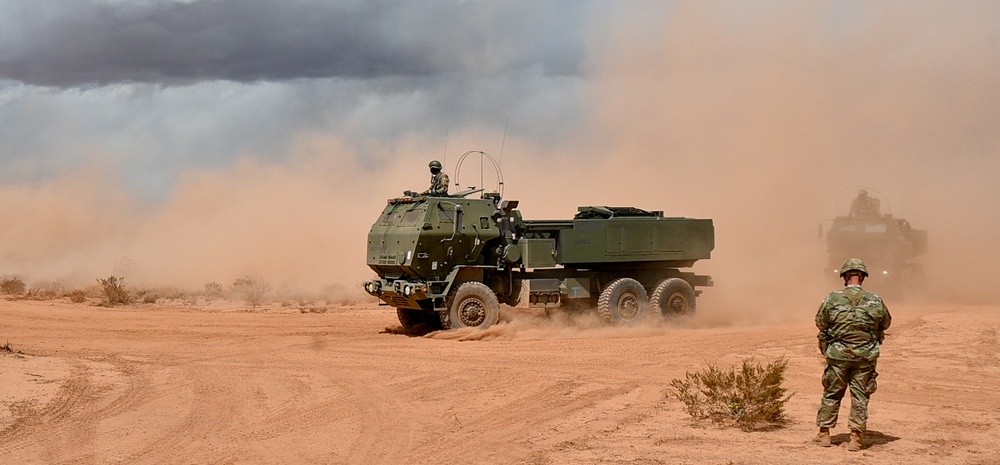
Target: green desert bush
(750,397)
(114,291)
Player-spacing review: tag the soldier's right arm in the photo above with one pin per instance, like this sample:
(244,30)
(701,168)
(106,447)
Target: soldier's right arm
(823,317)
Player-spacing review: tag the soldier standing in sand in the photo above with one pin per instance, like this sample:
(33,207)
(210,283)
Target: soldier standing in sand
(852,324)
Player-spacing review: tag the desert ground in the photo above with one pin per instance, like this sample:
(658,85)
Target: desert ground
(214,382)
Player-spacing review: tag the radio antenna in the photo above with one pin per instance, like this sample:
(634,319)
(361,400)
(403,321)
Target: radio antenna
(444,159)
(504,140)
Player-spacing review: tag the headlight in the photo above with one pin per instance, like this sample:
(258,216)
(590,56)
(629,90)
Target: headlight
(407,290)
(885,272)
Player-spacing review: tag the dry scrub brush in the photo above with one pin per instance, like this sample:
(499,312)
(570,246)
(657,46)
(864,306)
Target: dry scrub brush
(12,285)
(114,291)
(77,296)
(213,290)
(252,289)
(750,398)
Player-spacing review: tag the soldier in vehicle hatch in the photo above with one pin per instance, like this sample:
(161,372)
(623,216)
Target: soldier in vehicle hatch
(439,182)
(852,324)
(864,206)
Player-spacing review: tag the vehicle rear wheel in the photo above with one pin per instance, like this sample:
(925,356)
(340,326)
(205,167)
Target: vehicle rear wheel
(410,318)
(624,301)
(473,305)
(673,297)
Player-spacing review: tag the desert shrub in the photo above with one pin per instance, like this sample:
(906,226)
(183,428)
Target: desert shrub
(750,397)
(213,289)
(38,294)
(12,285)
(114,291)
(251,289)
(169,292)
(150,296)
(77,296)
(7,348)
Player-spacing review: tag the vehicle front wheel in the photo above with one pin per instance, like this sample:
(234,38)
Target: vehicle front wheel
(474,304)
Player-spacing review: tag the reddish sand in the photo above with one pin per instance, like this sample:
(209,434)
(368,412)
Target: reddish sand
(213,383)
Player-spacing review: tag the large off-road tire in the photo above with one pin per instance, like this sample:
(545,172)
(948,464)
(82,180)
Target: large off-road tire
(474,304)
(410,318)
(673,297)
(623,302)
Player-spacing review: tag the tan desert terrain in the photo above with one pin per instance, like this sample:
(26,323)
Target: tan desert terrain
(213,383)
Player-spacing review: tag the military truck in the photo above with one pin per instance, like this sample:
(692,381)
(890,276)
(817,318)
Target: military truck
(451,261)
(889,246)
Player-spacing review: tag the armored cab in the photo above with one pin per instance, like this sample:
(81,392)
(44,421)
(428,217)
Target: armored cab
(425,248)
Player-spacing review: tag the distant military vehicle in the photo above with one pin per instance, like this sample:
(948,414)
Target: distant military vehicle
(888,245)
(450,261)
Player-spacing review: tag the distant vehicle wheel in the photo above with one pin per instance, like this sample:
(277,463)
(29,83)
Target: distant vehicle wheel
(673,297)
(473,305)
(624,301)
(410,318)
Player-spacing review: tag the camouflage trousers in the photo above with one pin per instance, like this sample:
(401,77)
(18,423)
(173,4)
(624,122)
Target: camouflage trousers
(840,375)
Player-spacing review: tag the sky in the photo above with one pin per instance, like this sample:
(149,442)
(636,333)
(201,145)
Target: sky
(184,142)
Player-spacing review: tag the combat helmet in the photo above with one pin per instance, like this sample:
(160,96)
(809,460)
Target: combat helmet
(434,164)
(854,264)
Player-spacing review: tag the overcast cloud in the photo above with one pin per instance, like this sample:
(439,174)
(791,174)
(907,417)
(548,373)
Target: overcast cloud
(71,43)
(158,87)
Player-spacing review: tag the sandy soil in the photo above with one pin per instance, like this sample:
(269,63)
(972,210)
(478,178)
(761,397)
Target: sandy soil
(212,383)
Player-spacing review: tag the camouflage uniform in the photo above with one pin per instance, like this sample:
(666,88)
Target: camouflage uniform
(439,180)
(852,324)
(439,185)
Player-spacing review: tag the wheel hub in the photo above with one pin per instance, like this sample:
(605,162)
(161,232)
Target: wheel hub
(628,306)
(472,312)
(677,304)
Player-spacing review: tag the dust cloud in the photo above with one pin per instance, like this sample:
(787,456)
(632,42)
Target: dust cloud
(537,324)
(301,225)
(763,120)
(767,121)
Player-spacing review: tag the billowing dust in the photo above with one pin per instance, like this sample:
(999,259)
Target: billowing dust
(766,123)
(552,323)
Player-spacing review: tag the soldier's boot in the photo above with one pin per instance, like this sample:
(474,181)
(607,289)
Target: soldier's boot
(822,439)
(856,442)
